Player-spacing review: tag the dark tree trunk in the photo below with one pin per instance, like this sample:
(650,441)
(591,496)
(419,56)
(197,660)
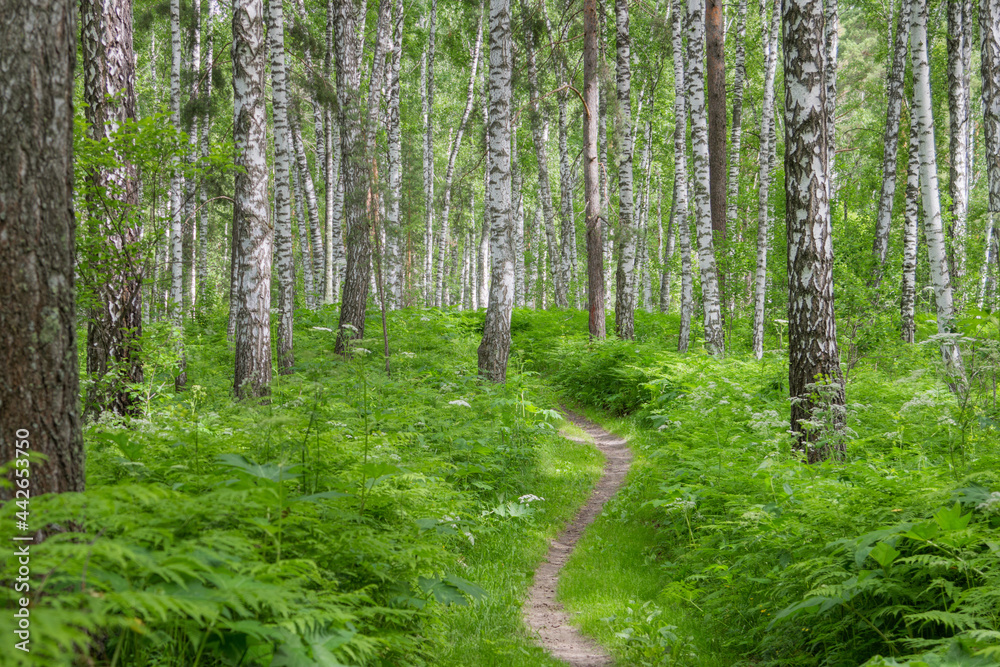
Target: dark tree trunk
(354,171)
(40,387)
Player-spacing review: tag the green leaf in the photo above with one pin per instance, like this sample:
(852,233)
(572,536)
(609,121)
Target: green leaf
(884,555)
(952,519)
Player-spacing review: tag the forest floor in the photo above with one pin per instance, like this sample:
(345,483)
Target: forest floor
(542,613)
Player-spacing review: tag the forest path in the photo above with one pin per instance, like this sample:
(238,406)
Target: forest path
(542,613)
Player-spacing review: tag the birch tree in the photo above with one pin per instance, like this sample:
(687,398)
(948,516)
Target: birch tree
(768,148)
(176,186)
(194,143)
(679,211)
(40,391)
(813,357)
(624,278)
(736,142)
(251,229)
(958,126)
(115,325)
(714,341)
(311,205)
(449,174)
(428,102)
(910,218)
(394,131)
(206,125)
(894,91)
(989,34)
(495,346)
(923,124)
(591,179)
(283,261)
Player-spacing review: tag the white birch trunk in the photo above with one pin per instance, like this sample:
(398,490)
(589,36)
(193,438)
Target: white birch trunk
(626,236)
(739,67)
(923,123)
(767,159)
(989,32)
(958,114)
(428,104)
(310,199)
(393,228)
(194,144)
(495,346)
(284,264)
(910,220)
(894,92)
(252,231)
(714,342)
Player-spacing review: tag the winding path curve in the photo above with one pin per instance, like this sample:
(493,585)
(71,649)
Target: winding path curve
(542,613)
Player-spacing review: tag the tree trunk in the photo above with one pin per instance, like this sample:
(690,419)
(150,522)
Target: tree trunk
(349,27)
(958,114)
(194,143)
(813,357)
(923,124)
(519,244)
(310,198)
(679,219)
(908,289)
(714,341)
(495,346)
(715,38)
(428,101)
(309,277)
(284,264)
(456,144)
(624,277)
(669,241)
(733,185)
(251,227)
(115,326)
(40,392)
(540,136)
(332,254)
(393,223)
(989,32)
(768,148)
(206,120)
(567,229)
(880,247)
(176,186)
(591,178)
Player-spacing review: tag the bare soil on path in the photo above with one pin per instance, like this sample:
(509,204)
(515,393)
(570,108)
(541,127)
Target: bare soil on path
(546,617)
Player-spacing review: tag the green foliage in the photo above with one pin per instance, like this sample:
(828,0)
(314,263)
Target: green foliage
(761,559)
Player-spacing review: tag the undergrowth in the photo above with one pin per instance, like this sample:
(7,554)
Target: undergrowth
(334,524)
(730,550)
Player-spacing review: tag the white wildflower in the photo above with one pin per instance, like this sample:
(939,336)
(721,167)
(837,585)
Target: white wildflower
(528,498)
(460,402)
(322,329)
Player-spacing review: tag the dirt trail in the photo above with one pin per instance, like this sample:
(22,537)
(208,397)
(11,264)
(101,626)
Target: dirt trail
(542,613)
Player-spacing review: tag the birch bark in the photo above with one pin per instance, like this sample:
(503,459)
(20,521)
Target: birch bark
(495,346)
(394,296)
(813,356)
(714,341)
(624,277)
(958,127)
(894,91)
(767,159)
(989,34)
(284,264)
(428,101)
(679,212)
(251,226)
(910,217)
(736,142)
(923,123)
(591,178)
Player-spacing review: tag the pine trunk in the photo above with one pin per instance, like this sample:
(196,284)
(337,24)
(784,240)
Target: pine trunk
(40,392)
(354,171)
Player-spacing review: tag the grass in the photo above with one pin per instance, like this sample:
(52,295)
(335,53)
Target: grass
(491,632)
